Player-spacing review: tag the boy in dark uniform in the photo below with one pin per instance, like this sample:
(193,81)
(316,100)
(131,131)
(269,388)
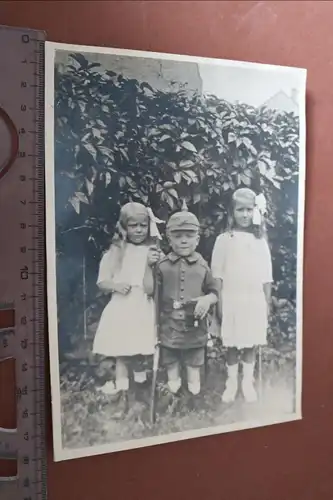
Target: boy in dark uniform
(187,291)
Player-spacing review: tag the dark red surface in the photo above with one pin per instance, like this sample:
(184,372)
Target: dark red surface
(284,462)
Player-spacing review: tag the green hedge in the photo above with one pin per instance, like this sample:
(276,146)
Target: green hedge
(117,139)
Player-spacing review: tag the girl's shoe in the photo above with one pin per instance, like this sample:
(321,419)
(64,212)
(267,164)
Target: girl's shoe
(231,387)
(249,392)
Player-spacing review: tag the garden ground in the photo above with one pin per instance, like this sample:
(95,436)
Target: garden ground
(86,412)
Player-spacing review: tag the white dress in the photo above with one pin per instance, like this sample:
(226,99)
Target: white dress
(126,327)
(243,262)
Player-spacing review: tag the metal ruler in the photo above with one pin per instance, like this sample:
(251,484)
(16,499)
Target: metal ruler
(22,263)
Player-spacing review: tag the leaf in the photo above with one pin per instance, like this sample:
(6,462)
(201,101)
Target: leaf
(168,199)
(231,137)
(189,146)
(111,73)
(94,65)
(82,197)
(248,172)
(124,153)
(164,137)
(186,164)
(106,152)
(248,143)
(90,187)
(130,182)
(96,133)
(107,178)
(86,137)
(245,179)
(173,193)
(75,204)
(153,131)
(159,188)
(122,181)
(82,106)
(178,177)
(146,87)
(91,149)
(165,126)
(275,183)
(193,175)
(80,59)
(270,163)
(196,198)
(262,167)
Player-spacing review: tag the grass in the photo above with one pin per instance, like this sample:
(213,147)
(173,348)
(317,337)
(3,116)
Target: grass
(87,413)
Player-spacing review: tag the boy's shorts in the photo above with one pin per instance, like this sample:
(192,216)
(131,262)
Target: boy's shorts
(190,357)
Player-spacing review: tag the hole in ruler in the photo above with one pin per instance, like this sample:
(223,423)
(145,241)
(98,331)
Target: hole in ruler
(7,316)
(8,468)
(9,144)
(7,394)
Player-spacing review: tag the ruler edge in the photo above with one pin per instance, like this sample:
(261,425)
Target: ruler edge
(40,333)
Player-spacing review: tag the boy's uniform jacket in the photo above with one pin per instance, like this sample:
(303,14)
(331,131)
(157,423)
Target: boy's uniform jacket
(180,280)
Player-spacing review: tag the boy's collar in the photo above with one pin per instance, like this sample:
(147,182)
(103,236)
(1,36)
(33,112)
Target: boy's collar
(190,258)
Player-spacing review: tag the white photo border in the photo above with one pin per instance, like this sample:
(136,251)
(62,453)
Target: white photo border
(61,453)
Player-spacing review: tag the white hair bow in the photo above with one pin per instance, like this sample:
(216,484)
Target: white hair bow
(154,232)
(260,209)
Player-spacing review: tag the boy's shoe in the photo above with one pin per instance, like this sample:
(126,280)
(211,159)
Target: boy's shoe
(249,392)
(168,401)
(121,406)
(231,387)
(196,403)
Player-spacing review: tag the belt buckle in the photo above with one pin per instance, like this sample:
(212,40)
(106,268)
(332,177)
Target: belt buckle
(177,305)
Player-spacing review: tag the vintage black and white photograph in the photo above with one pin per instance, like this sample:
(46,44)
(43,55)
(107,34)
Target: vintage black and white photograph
(175,214)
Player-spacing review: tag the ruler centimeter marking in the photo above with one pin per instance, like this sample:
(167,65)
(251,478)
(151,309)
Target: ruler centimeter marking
(22,98)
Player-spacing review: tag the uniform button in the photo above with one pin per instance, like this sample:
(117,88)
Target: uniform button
(182,297)
(182,278)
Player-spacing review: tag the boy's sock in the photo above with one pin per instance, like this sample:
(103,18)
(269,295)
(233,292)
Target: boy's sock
(174,380)
(193,380)
(174,385)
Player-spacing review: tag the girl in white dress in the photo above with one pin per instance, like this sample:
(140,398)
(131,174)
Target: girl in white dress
(126,328)
(241,260)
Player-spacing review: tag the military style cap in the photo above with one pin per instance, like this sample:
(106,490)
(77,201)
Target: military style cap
(183,220)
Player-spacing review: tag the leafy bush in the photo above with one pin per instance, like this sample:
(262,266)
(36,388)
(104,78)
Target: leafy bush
(117,139)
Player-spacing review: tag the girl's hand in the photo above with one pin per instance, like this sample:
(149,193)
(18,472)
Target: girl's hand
(154,255)
(123,288)
(202,306)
